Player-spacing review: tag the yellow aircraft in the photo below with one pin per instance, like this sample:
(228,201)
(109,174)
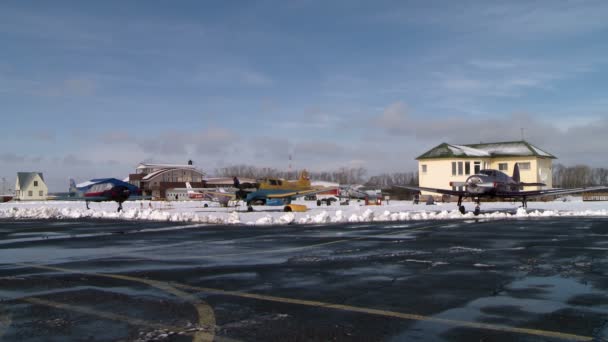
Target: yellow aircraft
(302,183)
(281,192)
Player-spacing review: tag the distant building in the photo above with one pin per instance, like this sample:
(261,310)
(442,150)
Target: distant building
(30,186)
(447,163)
(155,179)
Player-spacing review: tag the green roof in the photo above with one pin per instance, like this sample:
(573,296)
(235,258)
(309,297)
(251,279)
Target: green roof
(489,150)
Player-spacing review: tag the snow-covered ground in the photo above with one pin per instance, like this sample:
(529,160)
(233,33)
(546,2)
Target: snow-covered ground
(193,211)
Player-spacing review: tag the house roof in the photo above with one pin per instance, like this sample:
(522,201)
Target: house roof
(25,178)
(500,149)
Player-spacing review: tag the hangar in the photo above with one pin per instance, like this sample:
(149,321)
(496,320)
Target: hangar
(155,179)
(447,163)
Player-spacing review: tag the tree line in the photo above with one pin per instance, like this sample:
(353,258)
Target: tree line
(578,176)
(563,176)
(343,175)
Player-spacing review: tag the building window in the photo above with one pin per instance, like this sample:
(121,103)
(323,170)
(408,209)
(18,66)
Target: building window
(423,166)
(477,167)
(467,168)
(40,193)
(30,193)
(524,166)
(35,183)
(453,168)
(503,166)
(460,168)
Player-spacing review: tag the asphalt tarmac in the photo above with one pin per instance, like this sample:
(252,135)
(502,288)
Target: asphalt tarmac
(475,280)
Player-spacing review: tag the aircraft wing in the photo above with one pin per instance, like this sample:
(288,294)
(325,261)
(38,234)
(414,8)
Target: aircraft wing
(94,198)
(439,191)
(77,198)
(295,194)
(549,192)
(219,194)
(138,198)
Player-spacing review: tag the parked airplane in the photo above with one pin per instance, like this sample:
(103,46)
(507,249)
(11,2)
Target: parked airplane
(496,184)
(282,192)
(102,190)
(221,196)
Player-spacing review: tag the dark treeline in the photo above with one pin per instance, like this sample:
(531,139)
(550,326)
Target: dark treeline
(578,176)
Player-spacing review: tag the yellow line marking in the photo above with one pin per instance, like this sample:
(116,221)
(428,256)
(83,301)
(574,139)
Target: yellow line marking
(386,313)
(5,321)
(206,316)
(207,310)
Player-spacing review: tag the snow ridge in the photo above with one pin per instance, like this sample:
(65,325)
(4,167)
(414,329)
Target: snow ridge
(188,212)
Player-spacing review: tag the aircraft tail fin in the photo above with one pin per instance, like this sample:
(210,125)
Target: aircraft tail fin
(516,176)
(72,189)
(189,187)
(304,179)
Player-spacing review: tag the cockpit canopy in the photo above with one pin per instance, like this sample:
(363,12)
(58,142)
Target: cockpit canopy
(495,174)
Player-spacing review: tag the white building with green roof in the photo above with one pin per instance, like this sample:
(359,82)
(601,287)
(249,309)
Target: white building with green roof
(447,163)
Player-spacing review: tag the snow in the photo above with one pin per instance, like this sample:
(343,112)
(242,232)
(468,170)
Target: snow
(540,152)
(459,150)
(193,211)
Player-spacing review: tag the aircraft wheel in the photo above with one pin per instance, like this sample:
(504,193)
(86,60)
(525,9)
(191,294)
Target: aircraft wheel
(461,209)
(318,203)
(205,205)
(249,208)
(477,211)
(287,209)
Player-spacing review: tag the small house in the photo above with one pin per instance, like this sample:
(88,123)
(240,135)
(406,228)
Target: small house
(30,186)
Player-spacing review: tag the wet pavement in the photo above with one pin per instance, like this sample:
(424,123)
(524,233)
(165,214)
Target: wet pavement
(495,280)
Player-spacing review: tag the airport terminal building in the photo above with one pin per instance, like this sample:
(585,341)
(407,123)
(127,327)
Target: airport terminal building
(447,163)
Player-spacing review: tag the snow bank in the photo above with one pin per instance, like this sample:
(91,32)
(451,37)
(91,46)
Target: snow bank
(191,211)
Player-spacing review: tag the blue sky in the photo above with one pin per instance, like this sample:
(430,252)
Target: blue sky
(89,89)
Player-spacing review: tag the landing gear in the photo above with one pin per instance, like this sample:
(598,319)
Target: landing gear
(87,204)
(524,202)
(477,207)
(119,207)
(460,206)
